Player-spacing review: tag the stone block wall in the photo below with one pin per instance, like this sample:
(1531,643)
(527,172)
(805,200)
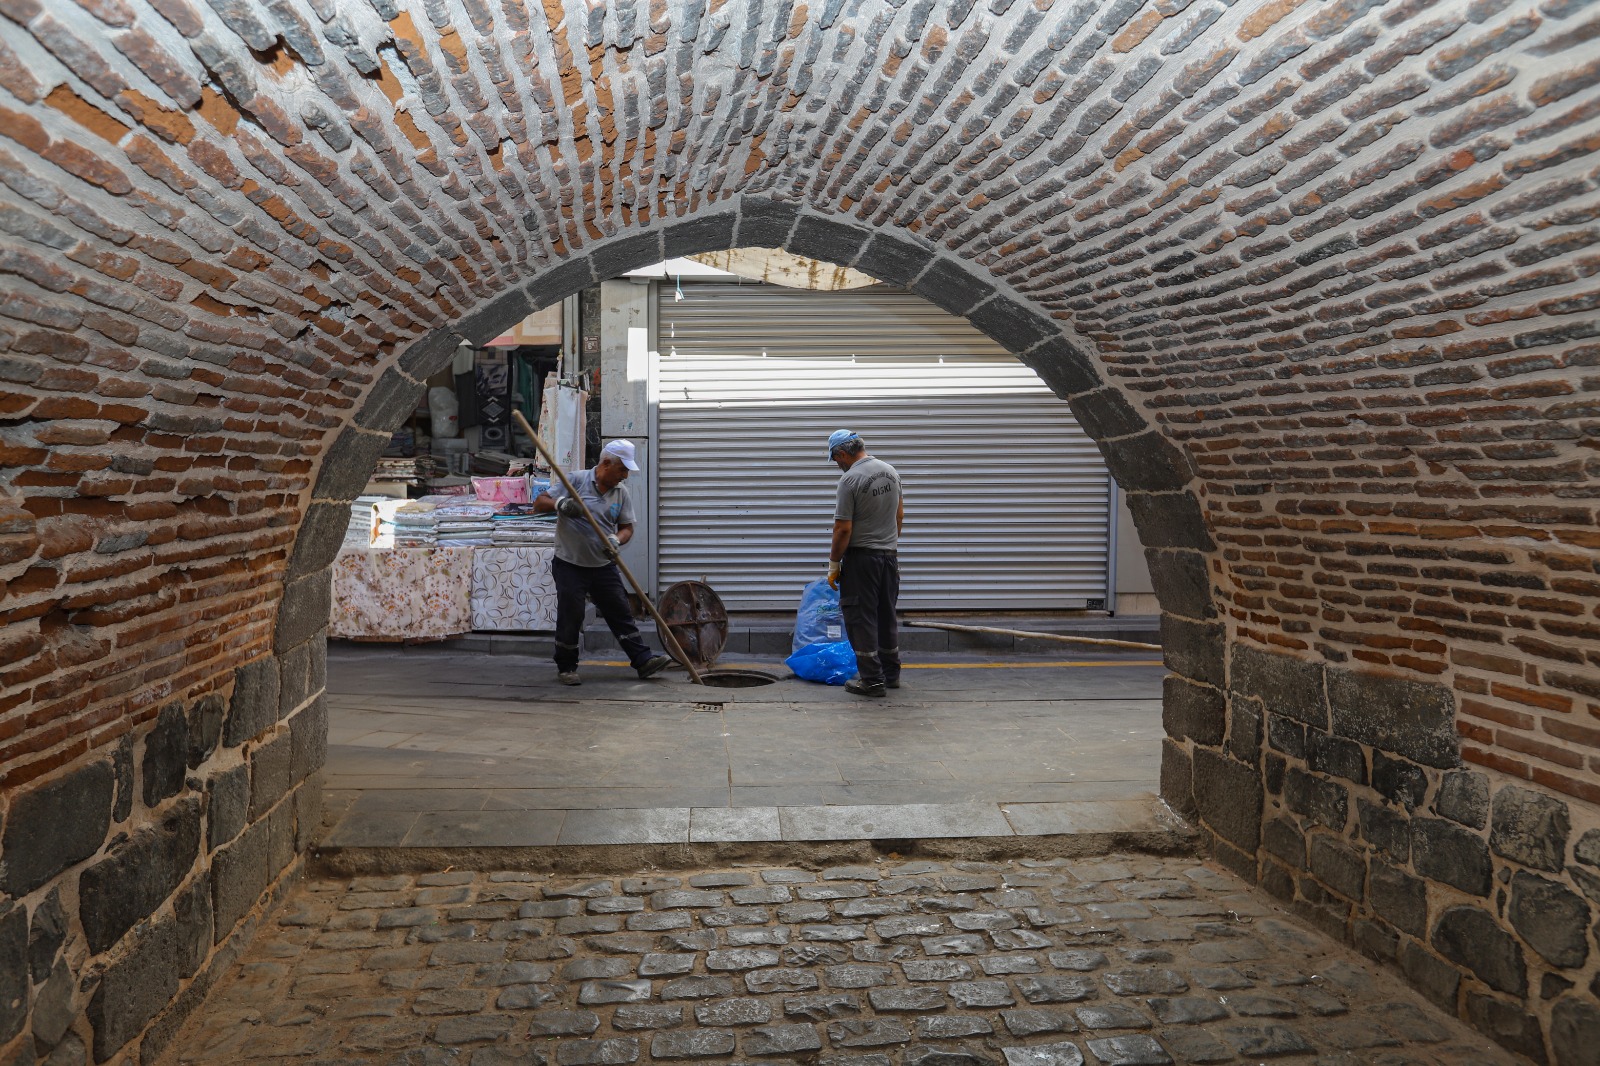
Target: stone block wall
(1318,275)
(1345,793)
(131,878)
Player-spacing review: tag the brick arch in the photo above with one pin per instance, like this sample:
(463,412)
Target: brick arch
(1156,475)
(1319,275)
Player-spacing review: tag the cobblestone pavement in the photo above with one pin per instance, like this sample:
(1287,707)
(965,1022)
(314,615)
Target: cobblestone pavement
(1116,962)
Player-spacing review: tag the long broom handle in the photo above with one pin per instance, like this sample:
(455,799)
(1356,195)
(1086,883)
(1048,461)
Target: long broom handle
(668,637)
(1063,637)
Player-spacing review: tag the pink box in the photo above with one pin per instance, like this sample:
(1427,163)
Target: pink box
(501,489)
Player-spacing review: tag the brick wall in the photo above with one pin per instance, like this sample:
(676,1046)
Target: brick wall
(1319,276)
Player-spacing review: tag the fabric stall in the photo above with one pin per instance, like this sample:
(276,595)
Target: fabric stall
(444,566)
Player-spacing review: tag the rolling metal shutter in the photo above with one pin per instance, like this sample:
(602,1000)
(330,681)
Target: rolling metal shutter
(1006,497)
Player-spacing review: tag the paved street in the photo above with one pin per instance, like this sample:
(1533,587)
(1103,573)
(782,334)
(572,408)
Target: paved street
(1117,961)
(432,749)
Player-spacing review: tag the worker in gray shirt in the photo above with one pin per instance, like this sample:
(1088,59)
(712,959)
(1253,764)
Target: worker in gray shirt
(584,566)
(863,564)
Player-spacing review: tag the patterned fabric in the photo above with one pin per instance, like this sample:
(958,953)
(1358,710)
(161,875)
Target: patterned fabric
(402,593)
(512,589)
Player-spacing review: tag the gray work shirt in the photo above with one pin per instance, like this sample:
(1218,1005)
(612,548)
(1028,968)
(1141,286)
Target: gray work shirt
(869,498)
(576,542)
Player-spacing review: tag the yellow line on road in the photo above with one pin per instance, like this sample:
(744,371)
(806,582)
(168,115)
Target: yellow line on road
(945,666)
(1013,666)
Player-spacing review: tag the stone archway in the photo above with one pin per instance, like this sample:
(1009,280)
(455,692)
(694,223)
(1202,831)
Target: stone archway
(1319,278)
(1157,477)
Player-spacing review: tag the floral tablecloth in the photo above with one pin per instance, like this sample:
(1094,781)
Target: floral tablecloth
(402,593)
(512,589)
(445,591)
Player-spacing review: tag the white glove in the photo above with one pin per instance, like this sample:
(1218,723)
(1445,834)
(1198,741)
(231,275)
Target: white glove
(616,545)
(833,573)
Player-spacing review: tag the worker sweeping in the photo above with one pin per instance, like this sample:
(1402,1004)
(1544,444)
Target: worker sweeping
(863,563)
(582,567)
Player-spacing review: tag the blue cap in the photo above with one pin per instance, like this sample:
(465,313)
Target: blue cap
(838,437)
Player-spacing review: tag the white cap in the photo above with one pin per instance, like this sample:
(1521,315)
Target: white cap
(622,451)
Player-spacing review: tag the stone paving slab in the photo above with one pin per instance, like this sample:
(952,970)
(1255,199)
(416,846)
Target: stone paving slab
(1113,961)
(425,751)
(909,821)
(716,824)
(1141,821)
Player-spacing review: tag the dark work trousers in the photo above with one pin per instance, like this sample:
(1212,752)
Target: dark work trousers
(603,585)
(869,587)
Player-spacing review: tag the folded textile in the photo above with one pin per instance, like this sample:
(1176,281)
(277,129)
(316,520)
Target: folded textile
(518,541)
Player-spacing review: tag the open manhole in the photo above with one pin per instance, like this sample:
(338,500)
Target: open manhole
(737,678)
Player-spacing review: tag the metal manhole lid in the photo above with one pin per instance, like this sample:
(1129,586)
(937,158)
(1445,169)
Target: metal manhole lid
(696,616)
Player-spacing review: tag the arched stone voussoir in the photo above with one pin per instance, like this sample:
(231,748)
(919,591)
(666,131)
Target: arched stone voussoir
(1147,461)
(428,354)
(348,462)
(830,240)
(764,223)
(1064,366)
(708,231)
(1105,414)
(1170,520)
(1182,582)
(393,397)
(303,612)
(949,285)
(626,252)
(556,283)
(487,322)
(1010,324)
(893,259)
(322,532)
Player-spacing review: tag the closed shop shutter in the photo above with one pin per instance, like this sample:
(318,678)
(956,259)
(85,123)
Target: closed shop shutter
(1006,497)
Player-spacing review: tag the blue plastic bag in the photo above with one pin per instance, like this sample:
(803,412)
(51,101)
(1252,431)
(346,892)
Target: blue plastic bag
(821,652)
(820,620)
(830,663)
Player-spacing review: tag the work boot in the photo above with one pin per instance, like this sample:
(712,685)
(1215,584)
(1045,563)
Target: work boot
(653,666)
(861,688)
(569,677)
(893,682)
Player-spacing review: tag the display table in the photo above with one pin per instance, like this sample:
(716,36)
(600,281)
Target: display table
(385,593)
